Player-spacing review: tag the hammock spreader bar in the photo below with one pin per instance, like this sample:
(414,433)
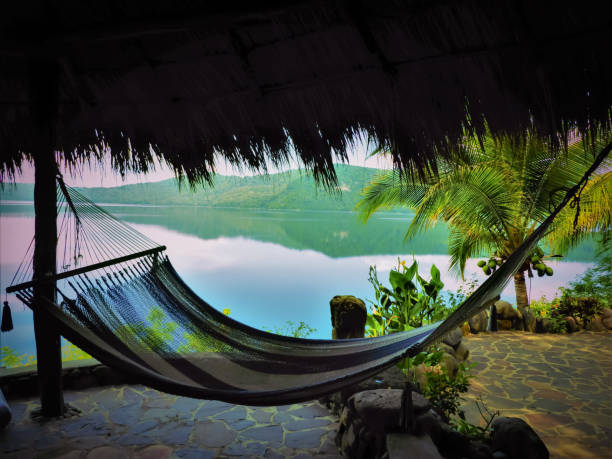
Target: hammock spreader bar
(85,269)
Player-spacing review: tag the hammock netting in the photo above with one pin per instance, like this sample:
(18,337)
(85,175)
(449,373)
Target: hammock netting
(120,300)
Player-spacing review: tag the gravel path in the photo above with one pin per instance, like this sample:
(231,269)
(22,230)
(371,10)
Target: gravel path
(560,384)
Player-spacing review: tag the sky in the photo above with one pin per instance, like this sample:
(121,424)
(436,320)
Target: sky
(102,174)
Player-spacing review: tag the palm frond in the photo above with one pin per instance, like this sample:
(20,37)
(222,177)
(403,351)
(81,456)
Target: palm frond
(594,215)
(389,190)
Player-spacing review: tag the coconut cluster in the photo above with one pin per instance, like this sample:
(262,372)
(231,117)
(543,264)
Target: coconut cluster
(535,262)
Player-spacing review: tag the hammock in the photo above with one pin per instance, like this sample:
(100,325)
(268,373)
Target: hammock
(120,300)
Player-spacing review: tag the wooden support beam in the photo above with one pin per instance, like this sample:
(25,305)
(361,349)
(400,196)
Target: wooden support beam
(44,84)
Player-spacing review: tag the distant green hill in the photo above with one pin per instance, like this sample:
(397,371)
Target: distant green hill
(287,190)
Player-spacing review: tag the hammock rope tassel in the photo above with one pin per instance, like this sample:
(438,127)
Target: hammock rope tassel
(7,318)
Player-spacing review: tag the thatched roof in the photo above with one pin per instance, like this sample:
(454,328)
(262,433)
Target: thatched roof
(256,79)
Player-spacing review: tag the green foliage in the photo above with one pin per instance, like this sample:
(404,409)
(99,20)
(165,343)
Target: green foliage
(495,192)
(466,288)
(441,388)
(286,190)
(299,330)
(475,432)
(10,358)
(153,333)
(410,302)
(596,282)
(550,310)
(71,352)
(584,308)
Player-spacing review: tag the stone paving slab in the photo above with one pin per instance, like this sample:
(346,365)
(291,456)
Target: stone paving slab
(141,423)
(560,384)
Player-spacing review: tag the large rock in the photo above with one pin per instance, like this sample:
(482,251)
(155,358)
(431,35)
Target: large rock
(607,322)
(505,312)
(462,352)
(606,312)
(453,338)
(516,438)
(406,446)
(391,378)
(380,409)
(595,324)
(529,320)
(571,324)
(348,317)
(478,323)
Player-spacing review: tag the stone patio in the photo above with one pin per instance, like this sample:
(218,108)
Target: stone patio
(137,422)
(561,385)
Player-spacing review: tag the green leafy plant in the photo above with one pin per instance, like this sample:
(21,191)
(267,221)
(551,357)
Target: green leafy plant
(72,352)
(10,358)
(550,310)
(410,302)
(441,388)
(465,289)
(578,307)
(299,330)
(475,432)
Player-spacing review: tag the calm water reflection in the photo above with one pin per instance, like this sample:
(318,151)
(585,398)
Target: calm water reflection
(269,266)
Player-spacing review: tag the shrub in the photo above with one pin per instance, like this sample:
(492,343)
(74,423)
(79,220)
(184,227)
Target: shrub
(584,308)
(410,302)
(441,388)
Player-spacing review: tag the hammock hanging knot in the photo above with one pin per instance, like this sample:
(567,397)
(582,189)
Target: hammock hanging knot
(7,318)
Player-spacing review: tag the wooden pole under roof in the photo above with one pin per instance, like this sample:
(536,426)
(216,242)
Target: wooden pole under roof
(44,84)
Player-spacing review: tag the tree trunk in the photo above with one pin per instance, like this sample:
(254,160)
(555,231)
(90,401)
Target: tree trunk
(521,291)
(43,100)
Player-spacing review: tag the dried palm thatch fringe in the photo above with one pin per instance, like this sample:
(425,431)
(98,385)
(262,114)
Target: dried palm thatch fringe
(257,81)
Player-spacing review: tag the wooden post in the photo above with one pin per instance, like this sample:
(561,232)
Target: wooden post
(44,84)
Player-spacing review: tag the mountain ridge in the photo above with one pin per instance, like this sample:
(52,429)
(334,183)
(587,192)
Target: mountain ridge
(285,190)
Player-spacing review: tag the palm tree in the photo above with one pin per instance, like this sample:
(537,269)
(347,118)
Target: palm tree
(495,193)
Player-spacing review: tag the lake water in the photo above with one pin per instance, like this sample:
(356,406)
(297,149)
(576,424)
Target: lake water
(269,267)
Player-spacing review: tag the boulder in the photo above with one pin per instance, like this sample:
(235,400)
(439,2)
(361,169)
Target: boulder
(462,352)
(505,311)
(428,424)
(572,326)
(503,324)
(595,324)
(446,348)
(453,338)
(606,312)
(348,317)
(607,322)
(451,443)
(450,363)
(406,446)
(516,438)
(547,325)
(391,378)
(529,320)
(380,409)
(478,322)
